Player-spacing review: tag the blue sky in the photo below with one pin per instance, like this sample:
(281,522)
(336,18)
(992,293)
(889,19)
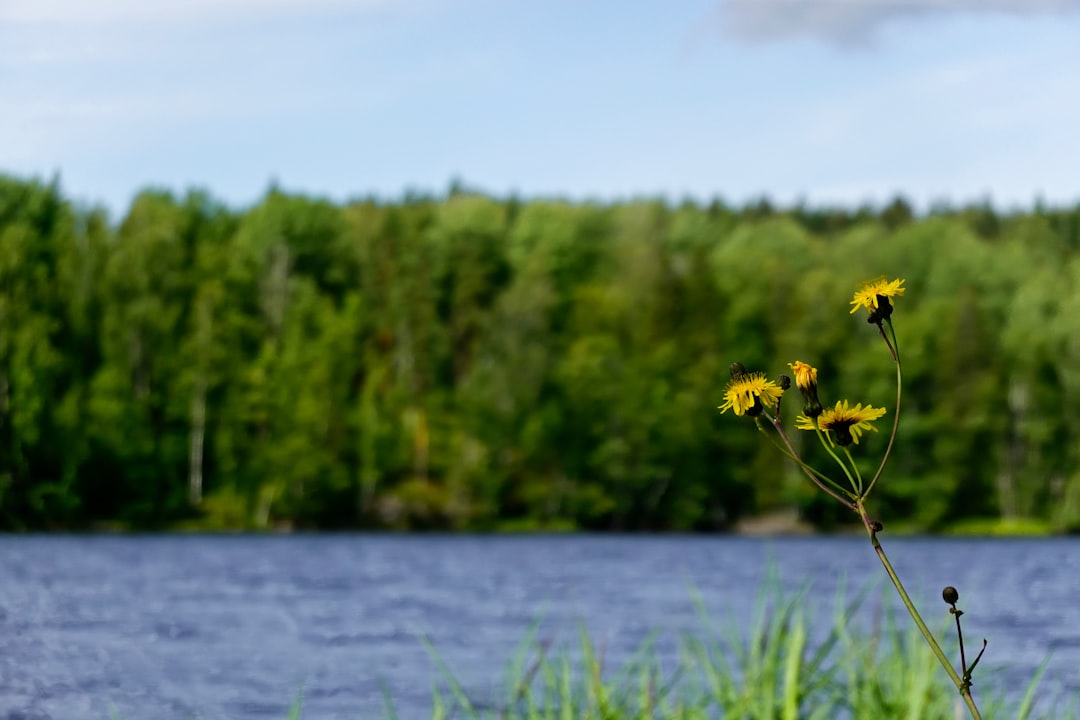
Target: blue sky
(835,102)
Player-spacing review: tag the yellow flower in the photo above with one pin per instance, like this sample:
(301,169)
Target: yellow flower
(806,380)
(750,393)
(845,421)
(870,295)
(805,376)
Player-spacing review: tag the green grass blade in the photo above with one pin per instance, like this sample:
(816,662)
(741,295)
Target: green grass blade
(792,667)
(388,702)
(1028,702)
(455,687)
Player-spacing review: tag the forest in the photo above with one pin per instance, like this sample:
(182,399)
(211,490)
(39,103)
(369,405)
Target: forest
(468,362)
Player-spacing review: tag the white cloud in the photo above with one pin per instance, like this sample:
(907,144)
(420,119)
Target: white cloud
(856,22)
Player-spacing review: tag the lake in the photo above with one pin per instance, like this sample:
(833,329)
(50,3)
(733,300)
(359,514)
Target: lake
(216,627)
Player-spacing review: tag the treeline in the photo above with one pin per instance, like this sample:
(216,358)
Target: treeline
(466,362)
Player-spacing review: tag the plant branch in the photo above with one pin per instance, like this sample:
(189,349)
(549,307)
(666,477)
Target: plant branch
(790,453)
(810,473)
(827,444)
(896,411)
(963,686)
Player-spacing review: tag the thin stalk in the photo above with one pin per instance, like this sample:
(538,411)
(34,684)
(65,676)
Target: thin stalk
(894,351)
(858,477)
(965,690)
(793,457)
(825,443)
(895,346)
(960,639)
(810,473)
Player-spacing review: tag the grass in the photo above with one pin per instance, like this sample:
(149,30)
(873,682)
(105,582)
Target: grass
(777,667)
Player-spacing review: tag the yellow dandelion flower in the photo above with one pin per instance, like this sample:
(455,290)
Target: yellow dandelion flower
(750,393)
(805,375)
(870,295)
(846,422)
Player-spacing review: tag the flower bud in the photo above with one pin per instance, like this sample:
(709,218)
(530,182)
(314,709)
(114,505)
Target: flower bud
(950,595)
(806,380)
(783,381)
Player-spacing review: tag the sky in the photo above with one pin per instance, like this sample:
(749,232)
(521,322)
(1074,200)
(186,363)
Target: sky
(837,102)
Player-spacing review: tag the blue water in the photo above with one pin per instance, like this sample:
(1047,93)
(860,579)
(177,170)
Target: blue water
(215,627)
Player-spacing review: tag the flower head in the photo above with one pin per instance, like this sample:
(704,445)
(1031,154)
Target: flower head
(806,380)
(750,393)
(874,296)
(805,375)
(846,422)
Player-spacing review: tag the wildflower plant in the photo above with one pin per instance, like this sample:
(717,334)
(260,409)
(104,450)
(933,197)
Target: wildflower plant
(839,428)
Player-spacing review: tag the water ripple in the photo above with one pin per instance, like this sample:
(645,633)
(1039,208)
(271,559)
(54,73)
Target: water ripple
(235,627)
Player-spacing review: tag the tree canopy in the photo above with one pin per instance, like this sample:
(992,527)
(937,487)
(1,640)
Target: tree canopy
(470,362)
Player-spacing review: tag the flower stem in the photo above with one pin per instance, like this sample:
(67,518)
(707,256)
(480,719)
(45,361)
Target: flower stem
(813,474)
(790,453)
(894,350)
(858,476)
(964,688)
(894,346)
(825,443)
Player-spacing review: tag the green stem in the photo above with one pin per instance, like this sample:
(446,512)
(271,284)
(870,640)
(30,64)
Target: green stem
(894,350)
(965,690)
(858,477)
(817,478)
(895,346)
(825,443)
(791,454)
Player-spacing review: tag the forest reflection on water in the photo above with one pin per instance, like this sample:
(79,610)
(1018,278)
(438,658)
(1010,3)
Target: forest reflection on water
(235,626)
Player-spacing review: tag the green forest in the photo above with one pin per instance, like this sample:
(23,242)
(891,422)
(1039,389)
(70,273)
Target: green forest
(468,362)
